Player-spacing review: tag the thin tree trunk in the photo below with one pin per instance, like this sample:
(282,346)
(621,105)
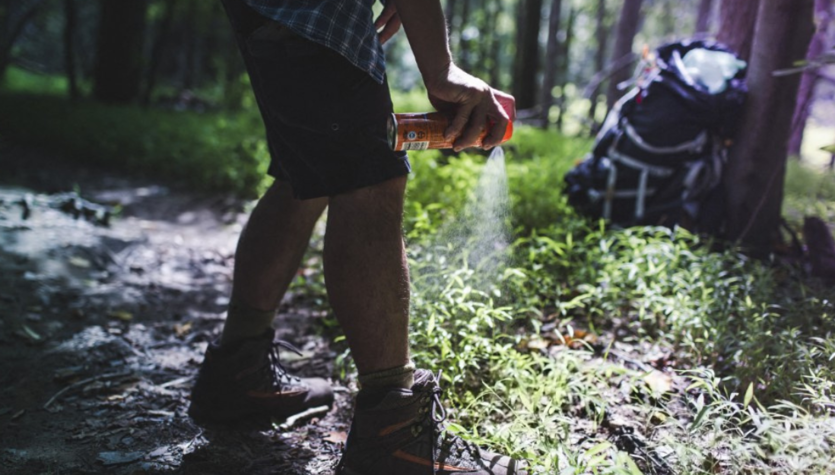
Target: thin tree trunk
(464,43)
(757,165)
(552,58)
(630,18)
(118,71)
(805,95)
(527,54)
(69,48)
(736,25)
(495,45)
(562,74)
(703,18)
(15,31)
(601,35)
(157,50)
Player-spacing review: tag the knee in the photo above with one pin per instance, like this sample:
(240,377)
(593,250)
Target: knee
(382,199)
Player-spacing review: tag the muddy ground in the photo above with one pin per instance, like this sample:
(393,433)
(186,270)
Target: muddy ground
(104,324)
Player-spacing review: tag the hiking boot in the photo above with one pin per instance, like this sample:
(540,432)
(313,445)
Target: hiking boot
(404,434)
(247,380)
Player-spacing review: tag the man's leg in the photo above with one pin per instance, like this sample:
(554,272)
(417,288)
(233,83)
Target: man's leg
(269,252)
(367,278)
(242,376)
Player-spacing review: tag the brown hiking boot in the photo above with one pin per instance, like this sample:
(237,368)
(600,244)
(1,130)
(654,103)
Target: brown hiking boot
(247,380)
(404,434)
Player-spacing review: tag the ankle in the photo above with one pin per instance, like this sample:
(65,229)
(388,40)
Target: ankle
(244,322)
(374,386)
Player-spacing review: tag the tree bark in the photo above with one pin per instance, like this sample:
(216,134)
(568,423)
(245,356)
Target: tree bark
(527,54)
(805,95)
(70,21)
(495,48)
(601,35)
(15,30)
(703,18)
(757,165)
(552,59)
(158,49)
(464,43)
(630,18)
(562,73)
(736,25)
(121,38)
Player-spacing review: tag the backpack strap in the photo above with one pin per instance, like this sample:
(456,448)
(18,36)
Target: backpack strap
(697,145)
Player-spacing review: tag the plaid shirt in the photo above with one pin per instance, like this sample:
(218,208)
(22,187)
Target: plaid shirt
(345,26)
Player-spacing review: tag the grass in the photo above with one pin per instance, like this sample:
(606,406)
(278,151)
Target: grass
(550,348)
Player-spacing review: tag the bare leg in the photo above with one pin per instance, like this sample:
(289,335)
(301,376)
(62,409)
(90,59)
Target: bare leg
(367,275)
(269,252)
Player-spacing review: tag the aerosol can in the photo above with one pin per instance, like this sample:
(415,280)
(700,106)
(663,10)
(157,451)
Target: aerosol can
(424,131)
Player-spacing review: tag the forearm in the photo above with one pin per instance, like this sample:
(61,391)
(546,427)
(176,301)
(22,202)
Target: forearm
(425,26)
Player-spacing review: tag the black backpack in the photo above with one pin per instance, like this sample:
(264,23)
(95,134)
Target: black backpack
(659,156)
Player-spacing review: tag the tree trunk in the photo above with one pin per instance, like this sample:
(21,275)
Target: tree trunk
(805,95)
(757,165)
(118,70)
(736,25)
(703,18)
(527,54)
(14,32)
(601,35)
(495,48)
(552,58)
(158,49)
(189,46)
(562,73)
(69,48)
(630,18)
(464,43)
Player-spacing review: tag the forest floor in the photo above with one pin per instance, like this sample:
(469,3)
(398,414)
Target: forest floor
(104,326)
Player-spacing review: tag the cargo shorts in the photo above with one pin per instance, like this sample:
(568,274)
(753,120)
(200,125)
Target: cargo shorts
(326,119)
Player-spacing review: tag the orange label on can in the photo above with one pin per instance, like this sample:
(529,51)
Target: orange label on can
(423,131)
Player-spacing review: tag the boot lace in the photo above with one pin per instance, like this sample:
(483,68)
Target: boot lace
(278,375)
(431,417)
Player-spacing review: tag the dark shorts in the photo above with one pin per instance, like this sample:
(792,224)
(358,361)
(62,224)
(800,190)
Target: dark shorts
(326,119)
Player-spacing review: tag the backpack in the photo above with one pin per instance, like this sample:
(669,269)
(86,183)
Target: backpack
(659,156)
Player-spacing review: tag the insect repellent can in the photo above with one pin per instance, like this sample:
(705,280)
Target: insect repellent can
(423,131)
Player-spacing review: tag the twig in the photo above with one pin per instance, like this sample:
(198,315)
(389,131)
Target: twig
(312,412)
(83,382)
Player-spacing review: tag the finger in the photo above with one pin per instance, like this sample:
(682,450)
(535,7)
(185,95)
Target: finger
(389,11)
(476,124)
(456,126)
(392,27)
(496,134)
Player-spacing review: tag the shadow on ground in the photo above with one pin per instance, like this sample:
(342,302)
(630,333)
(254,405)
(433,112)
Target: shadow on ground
(103,328)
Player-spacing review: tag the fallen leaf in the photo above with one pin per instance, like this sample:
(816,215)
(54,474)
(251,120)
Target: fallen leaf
(121,315)
(79,262)
(336,437)
(658,417)
(658,382)
(17,415)
(537,343)
(182,330)
(30,334)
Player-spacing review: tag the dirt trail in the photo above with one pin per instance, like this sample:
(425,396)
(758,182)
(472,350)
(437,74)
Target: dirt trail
(103,328)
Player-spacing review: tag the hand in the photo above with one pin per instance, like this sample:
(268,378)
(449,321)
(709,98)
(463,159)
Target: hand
(474,107)
(388,21)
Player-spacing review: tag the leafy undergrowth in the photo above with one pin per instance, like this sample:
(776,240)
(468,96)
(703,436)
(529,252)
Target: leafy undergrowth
(588,350)
(581,349)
